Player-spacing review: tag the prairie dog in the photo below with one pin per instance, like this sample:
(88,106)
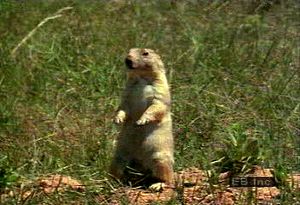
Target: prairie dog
(146,138)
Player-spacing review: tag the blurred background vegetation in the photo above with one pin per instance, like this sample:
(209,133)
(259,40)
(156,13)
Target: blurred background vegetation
(233,67)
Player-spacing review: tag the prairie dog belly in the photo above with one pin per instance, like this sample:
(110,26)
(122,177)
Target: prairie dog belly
(140,97)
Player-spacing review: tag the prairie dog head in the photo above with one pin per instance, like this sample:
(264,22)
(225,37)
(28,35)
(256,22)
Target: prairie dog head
(143,61)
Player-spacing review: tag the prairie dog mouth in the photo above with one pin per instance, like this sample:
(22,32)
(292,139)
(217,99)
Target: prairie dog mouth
(128,63)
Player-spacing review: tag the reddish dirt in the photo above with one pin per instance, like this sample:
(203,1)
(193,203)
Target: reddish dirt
(192,187)
(47,185)
(59,183)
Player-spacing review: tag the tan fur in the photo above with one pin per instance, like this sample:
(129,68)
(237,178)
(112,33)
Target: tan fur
(146,135)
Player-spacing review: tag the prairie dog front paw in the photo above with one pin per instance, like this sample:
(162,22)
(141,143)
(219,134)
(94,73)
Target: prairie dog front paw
(145,119)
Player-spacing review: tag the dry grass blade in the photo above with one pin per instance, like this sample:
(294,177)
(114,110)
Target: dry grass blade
(45,20)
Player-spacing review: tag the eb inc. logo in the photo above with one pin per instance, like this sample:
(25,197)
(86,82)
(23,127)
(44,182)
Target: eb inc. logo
(252,182)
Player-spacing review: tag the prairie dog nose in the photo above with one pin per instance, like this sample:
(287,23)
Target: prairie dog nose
(128,62)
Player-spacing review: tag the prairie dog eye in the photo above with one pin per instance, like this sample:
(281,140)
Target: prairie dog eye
(145,53)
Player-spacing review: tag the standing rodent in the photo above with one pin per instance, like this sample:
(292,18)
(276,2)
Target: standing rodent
(146,139)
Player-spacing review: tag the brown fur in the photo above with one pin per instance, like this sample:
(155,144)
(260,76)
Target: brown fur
(146,134)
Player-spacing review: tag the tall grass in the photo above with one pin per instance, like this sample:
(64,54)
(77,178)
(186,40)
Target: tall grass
(230,63)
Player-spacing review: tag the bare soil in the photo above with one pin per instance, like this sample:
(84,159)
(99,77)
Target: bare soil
(192,187)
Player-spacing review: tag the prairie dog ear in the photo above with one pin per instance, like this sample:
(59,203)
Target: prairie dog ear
(157,51)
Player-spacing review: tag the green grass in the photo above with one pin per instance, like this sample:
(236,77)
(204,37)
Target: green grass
(230,63)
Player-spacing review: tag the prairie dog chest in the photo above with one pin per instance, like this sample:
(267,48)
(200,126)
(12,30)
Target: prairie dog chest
(141,94)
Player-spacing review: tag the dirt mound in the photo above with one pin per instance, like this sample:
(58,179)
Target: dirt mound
(192,187)
(59,183)
(46,185)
